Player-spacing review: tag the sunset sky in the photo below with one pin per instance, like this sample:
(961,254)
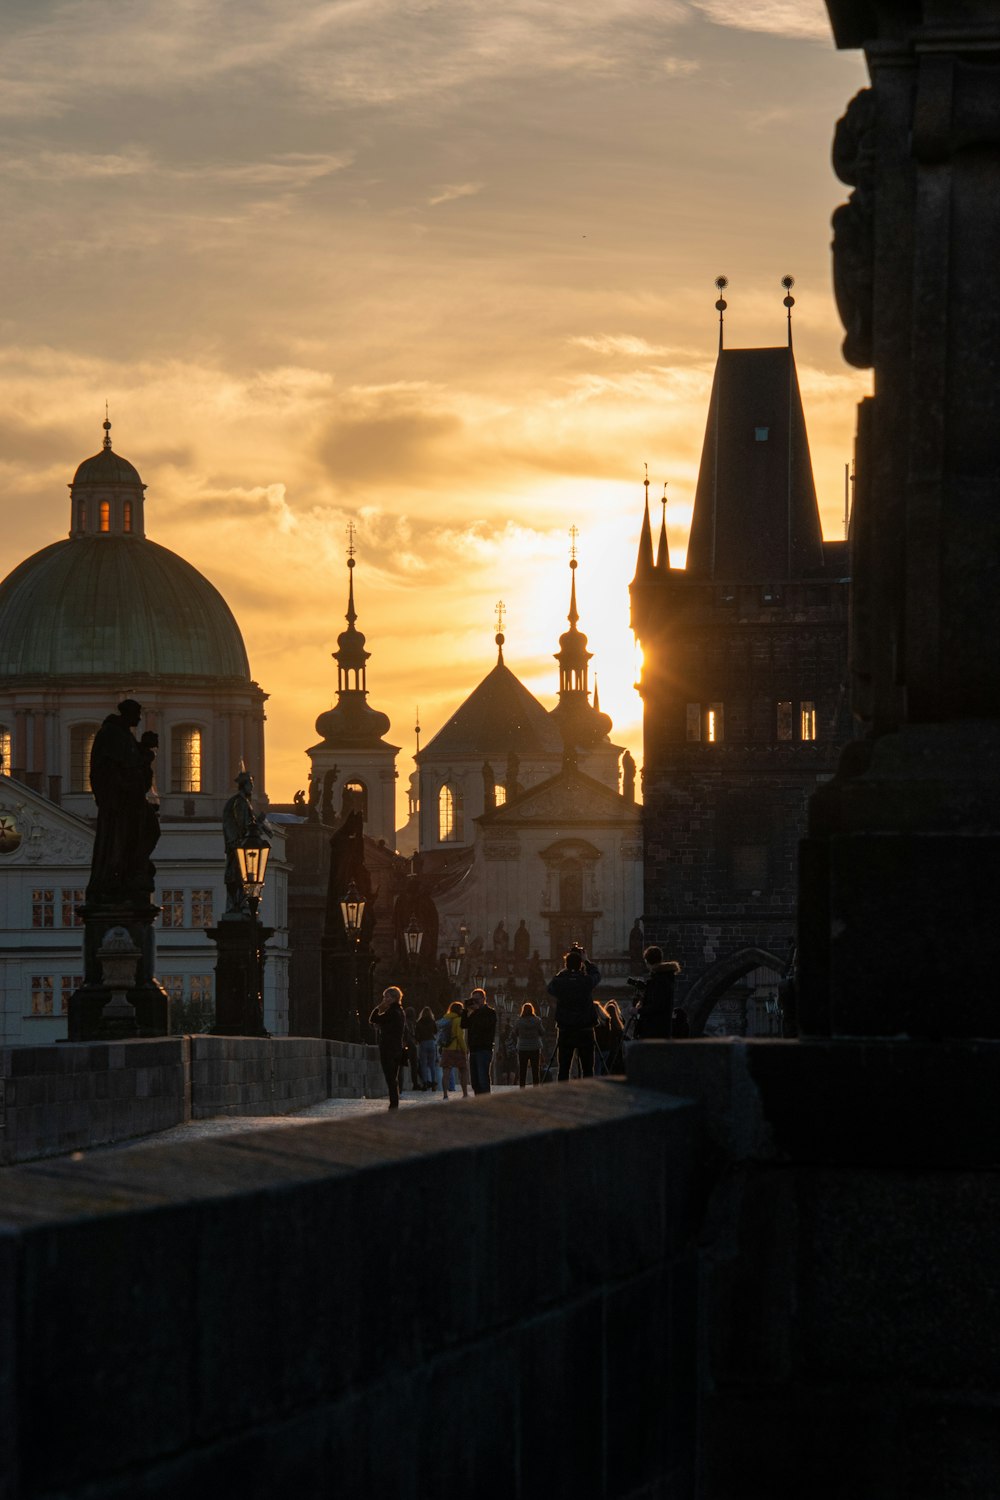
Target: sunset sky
(440,267)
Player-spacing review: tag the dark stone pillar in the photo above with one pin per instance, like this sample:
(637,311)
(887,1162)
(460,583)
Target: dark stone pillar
(902,861)
(239,975)
(152,1006)
(347,990)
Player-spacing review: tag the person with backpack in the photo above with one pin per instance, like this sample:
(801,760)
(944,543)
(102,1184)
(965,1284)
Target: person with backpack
(573,991)
(454,1048)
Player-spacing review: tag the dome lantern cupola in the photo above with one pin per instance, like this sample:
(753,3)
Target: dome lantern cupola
(107,495)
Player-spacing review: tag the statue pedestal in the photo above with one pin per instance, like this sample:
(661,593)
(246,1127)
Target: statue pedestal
(150,1005)
(239,975)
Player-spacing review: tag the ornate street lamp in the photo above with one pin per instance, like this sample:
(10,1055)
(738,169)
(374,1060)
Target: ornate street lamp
(454,963)
(252,856)
(413,936)
(479,980)
(352,909)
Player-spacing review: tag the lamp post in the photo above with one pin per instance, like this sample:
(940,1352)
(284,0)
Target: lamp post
(241,939)
(352,910)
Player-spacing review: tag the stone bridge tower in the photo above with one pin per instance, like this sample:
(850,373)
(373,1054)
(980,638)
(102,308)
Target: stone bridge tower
(743,685)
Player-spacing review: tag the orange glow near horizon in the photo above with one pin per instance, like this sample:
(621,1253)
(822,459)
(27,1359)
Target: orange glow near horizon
(480,298)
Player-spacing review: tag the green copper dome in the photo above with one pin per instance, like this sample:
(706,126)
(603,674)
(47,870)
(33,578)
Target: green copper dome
(115,606)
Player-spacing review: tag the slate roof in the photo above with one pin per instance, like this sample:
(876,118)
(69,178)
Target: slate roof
(755,512)
(498,716)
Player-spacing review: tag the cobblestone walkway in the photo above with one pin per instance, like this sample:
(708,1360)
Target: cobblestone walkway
(327,1109)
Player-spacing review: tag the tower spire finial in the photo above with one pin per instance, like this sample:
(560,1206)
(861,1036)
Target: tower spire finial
(499,637)
(352,613)
(574,615)
(106,424)
(721,282)
(663,549)
(789,301)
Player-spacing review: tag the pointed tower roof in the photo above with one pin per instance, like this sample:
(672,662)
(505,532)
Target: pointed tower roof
(663,549)
(644,561)
(755,512)
(498,716)
(351,723)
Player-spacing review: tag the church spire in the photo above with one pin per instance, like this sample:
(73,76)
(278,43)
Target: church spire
(350,654)
(663,550)
(644,561)
(351,721)
(499,637)
(581,723)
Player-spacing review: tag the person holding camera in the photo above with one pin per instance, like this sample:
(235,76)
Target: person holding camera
(655,1010)
(573,991)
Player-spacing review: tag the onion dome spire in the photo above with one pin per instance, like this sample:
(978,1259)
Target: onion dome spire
(582,724)
(351,721)
(644,561)
(663,550)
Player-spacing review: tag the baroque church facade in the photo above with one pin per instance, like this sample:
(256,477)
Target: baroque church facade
(103,615)
(744,695)
(529,833)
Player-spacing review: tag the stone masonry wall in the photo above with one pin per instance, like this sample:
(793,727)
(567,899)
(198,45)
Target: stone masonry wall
(294,1313)
(72,1096)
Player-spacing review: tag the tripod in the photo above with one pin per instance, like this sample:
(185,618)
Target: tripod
(544,1076)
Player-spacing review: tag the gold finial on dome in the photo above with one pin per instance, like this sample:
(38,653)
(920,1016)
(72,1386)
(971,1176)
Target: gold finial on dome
(106,424)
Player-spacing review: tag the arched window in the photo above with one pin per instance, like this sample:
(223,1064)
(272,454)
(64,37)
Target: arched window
(105,515)
(450,814)
(6,750)
(354,798)
(500,792)
(185,758)
(81,742)
(83,515)
(127,516)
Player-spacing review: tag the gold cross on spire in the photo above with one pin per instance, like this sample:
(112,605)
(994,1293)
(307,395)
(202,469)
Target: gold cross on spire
(501,611)
(574,532)
(350,538)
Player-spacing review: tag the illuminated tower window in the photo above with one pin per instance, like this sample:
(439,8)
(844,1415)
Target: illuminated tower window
(6,750)
(105,514)
(500,792)
(127,516)
(715,723)
(185,758)
(449,815)
(808,720)
(81,742)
